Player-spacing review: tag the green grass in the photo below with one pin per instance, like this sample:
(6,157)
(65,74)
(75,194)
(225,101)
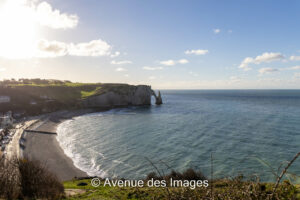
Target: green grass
(86,94)
(68,84)
(104,192)
(68,92)
(223,189)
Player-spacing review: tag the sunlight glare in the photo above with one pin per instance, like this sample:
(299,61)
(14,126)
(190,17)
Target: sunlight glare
(17,30)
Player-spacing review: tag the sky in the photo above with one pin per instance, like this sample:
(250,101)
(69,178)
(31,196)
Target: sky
(170,44)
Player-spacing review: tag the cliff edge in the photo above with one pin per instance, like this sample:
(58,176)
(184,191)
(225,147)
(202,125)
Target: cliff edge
(38,96)
(133,95)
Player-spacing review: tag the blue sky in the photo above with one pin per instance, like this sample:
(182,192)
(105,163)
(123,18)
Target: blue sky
(168,44)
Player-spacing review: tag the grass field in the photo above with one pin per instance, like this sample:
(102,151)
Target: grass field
(222,189)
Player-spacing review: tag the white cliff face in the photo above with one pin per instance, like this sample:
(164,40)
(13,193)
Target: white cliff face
(140,95)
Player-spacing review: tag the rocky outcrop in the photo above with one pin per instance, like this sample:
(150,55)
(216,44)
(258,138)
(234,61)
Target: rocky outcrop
(132,95)
(158,99)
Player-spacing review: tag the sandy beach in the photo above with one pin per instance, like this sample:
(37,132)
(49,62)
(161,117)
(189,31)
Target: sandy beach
(45,147)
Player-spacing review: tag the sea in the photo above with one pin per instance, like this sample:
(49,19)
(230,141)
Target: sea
(224,133)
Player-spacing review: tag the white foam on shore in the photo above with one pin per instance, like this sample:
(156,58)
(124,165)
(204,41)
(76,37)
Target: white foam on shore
(67,143)
(86,160)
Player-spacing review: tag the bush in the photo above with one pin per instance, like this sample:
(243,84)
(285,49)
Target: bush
(189,174)
(22,178)
(9,178)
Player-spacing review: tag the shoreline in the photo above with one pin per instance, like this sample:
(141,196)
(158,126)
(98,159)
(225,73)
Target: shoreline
(45,147)
(14,149)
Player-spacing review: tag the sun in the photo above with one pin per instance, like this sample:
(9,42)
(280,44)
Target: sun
(18,31)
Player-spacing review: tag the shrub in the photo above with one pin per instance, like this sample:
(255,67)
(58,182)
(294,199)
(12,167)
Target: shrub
(23,178)
(189,174)
(9,177)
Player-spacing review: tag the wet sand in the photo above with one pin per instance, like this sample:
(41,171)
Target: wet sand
(46,149)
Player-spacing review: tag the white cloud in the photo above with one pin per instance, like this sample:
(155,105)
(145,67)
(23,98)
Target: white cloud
(2,69)
(126,75)
(55,49)
(168,62)
(120,69)
(174,62)
(183,61)
(123,62)
(40,13)
(295,58)
(116,54)
(152,68)
(216,31)
(197,52)
(18,39)
(267,70)
(51,49)
(152,77)
(53,18)
(245,63)
(268,57)
(92,48)
(265,57)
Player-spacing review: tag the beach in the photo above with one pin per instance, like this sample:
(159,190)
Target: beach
(45,147)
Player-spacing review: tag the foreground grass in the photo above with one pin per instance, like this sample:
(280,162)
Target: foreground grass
(222,189)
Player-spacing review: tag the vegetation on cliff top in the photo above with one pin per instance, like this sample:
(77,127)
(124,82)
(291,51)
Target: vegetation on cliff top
(34,95)
(236,188)
(26,179)
(62,90)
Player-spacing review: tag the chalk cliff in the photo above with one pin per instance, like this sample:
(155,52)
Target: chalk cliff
(158,98)
(28,97)
(132,95)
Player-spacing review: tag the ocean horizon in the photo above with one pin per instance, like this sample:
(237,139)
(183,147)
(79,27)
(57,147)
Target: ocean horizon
(245,131)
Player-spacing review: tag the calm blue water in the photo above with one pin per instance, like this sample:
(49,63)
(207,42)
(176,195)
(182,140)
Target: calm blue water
(240,127)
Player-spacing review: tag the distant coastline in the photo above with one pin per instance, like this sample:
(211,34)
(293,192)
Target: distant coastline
(52,102)
(28,97)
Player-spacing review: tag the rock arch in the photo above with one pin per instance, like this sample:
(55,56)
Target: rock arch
(158,99)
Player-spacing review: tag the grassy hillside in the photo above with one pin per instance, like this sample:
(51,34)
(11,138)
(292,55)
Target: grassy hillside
(66,92)
(34,95)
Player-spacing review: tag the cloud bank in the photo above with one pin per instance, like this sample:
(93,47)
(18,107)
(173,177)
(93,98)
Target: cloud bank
(52,49)
(19,40)
(47,16)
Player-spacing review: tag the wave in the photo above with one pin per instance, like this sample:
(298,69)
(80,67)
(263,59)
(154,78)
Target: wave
(68,145)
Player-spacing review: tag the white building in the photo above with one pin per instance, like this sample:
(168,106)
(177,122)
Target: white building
(4,99)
